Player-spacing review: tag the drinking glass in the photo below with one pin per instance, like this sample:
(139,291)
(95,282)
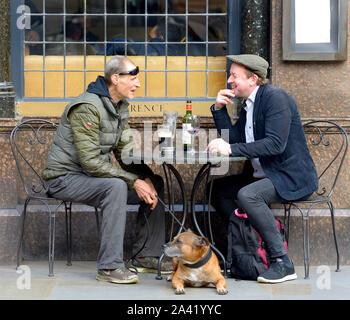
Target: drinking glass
(166,136)
(193,131)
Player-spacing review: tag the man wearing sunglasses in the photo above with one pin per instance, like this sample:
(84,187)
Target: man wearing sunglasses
(79,169)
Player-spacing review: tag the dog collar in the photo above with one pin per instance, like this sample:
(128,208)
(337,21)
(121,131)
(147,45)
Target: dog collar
(201,262)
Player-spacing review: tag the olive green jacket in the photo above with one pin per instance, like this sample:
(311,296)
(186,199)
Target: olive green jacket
(90,128)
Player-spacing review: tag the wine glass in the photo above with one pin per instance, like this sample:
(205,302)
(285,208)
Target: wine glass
(193,131)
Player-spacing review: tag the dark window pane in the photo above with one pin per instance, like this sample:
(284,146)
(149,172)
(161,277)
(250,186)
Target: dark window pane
(75,6)
(217,30)
(196,6)
(136,29)
(54,6)
(176,50)
(73,49)
(217,6)
(33,49)
(114,6)
(95,6)
(196,49)
(115,47)
(196,28)
(115,27)
(176,29)
(54,28)
(74,28)
(217,50)
(155,49)
(54,49)
(134,49)
(35,6)
(156,6)
(136,6)
(156,28)
(177,6)
(95,28)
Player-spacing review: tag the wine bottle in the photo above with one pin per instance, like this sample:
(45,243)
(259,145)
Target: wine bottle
(187,120)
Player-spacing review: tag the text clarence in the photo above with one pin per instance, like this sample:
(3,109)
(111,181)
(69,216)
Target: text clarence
(146,107)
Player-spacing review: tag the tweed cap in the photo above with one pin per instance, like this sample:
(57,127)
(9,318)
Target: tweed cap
(254,63)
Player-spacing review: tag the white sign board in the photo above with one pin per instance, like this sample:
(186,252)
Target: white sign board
(312,21)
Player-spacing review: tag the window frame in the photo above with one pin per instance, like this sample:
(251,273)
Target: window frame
(233,21)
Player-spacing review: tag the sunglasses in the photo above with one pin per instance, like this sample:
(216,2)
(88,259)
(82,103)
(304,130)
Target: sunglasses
(132,72)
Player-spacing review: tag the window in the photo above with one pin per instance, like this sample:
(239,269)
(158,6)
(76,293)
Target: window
(179,45)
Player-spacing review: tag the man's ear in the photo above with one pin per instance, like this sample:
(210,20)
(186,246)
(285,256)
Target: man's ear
(253,79)
(115,79)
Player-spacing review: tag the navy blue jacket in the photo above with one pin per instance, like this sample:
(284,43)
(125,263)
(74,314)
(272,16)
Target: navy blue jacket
(280,142)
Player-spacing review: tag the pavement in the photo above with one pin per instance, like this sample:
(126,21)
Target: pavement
(78,282)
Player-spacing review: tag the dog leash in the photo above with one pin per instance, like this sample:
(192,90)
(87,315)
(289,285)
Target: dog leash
(171,212)
(209,253)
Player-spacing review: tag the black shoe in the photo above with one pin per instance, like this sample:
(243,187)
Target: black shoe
(279,271)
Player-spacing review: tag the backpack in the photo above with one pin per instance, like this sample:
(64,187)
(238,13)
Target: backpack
(246,254)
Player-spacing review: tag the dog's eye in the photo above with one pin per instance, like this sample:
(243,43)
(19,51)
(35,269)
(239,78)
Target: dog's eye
(178,241)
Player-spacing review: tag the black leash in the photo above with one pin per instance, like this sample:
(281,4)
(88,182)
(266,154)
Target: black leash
(171,212)
(128,263)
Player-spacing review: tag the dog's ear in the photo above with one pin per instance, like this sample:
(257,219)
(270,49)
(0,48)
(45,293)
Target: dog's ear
(202,241)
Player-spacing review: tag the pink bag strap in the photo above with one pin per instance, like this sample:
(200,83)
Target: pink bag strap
(241,215)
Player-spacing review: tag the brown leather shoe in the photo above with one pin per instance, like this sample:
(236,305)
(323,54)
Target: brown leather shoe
(120,275)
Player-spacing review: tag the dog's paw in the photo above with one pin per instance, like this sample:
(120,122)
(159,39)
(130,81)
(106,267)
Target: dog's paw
(180,291)
(221,291)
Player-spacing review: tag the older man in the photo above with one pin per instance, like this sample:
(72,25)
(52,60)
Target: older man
(268,132)
(79,168)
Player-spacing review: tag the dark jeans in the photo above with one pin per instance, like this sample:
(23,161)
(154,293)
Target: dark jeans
(111,195)
(254,196)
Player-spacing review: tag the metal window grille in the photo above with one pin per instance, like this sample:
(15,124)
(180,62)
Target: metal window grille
(206,18)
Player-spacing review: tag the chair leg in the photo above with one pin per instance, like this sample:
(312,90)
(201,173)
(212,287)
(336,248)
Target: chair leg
(286,220)
(21,234)
(97,222)
(68,209)
(52,231)
(330,205)
(306,244)
(159,273)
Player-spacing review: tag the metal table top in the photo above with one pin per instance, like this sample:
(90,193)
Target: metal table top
(181,157)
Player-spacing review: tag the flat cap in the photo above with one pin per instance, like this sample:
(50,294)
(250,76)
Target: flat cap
(254,63)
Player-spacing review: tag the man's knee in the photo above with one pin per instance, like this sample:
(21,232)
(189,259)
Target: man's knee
(117,186)
(245,195)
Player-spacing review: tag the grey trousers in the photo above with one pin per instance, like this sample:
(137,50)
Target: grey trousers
(111,196)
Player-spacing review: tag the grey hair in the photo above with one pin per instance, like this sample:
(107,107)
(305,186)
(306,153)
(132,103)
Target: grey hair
(115,65)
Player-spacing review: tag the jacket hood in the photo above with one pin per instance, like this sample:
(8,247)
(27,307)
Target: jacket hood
(99,87)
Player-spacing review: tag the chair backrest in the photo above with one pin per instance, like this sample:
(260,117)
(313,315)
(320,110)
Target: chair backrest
(328,145)
(30,143)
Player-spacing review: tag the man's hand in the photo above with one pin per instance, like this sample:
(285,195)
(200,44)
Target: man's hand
(146,192)
(219,146)
(223,98)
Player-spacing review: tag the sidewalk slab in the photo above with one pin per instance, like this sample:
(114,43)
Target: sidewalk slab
(78,282)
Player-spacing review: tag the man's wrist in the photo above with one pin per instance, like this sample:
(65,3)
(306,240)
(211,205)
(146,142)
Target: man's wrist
(218,106)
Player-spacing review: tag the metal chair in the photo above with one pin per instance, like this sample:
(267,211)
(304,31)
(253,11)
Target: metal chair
(29,141)
(330,140)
